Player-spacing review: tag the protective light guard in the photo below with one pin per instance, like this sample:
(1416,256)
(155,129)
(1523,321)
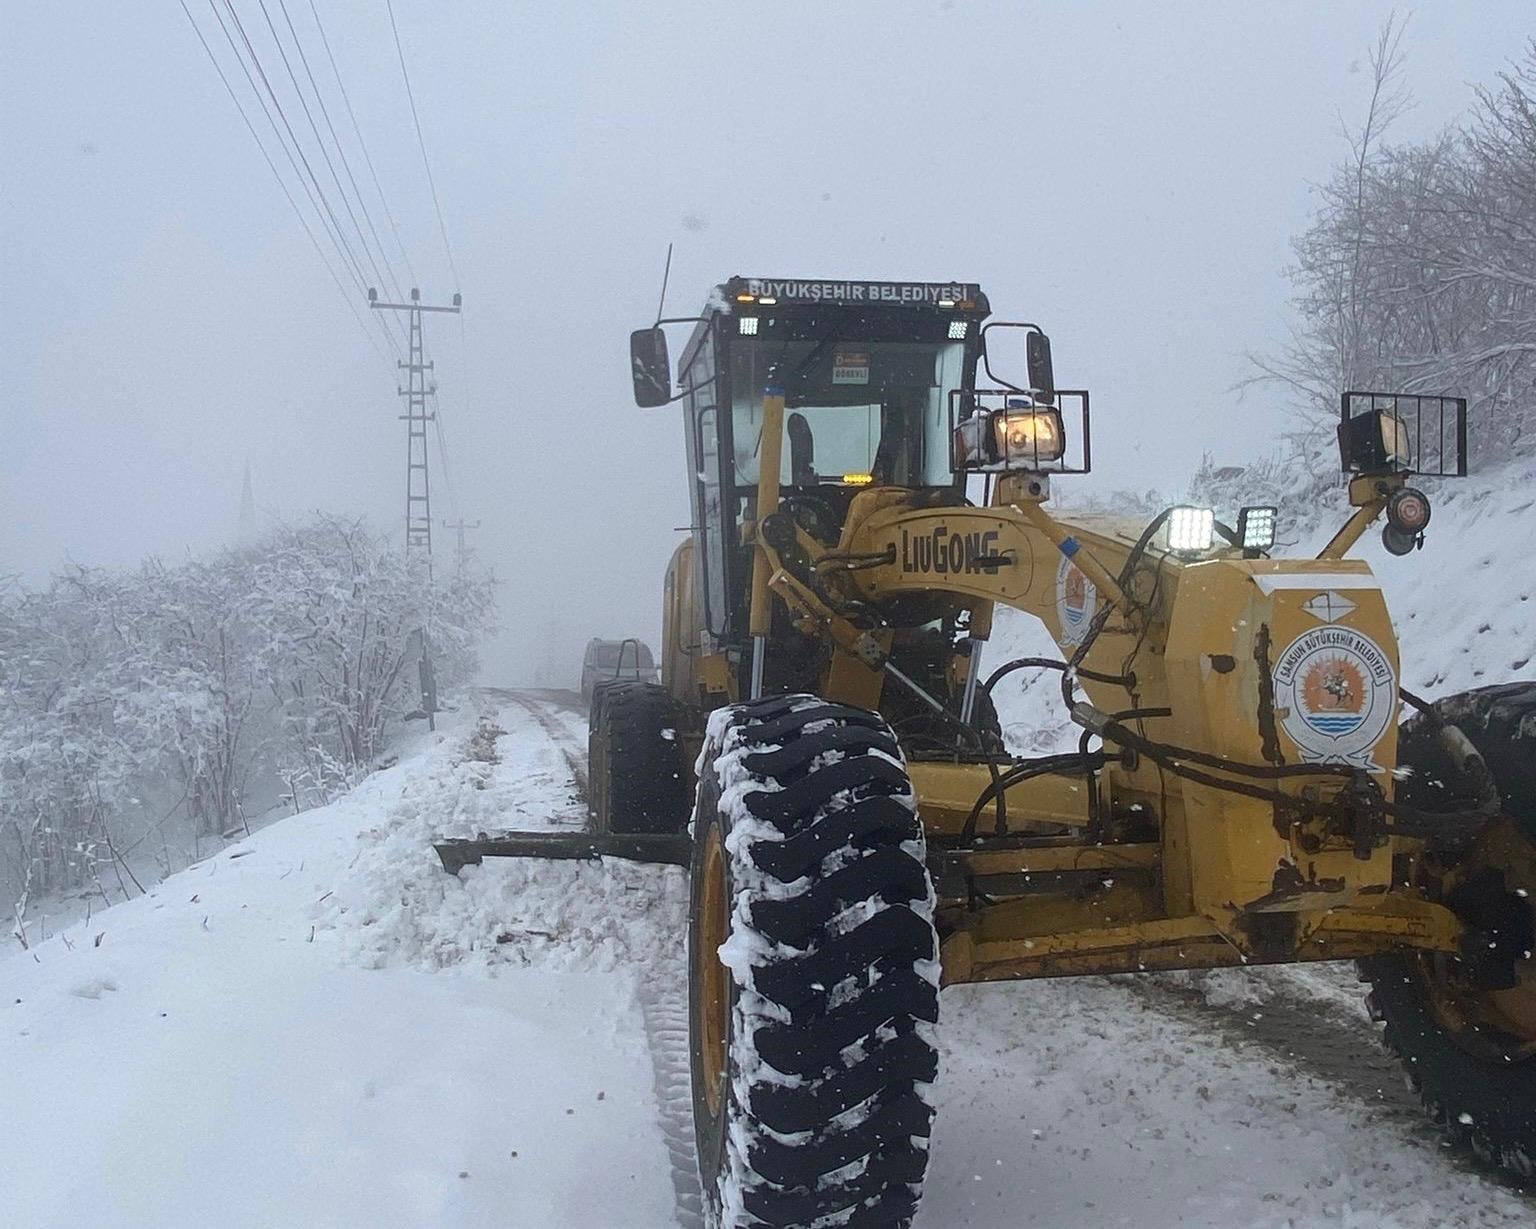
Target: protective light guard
(1437,427)
(1071,403)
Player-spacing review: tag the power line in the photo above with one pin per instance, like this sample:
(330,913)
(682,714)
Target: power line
(272,166)
(442,453)
(421,142)
(340,149)
(292,145)
(442,230)
(362,144)
(267,97)
(266,111)
(294,150)
(323,205)
(325,154)
(468,394)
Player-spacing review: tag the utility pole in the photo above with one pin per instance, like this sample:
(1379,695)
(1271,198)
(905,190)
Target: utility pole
(459,527)
(418,487)
(247,531)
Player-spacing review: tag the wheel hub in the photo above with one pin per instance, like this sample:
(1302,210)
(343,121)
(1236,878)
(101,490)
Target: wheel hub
(1487,999)
(713,1003)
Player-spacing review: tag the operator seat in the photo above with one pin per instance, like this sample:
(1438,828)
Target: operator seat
(802,451)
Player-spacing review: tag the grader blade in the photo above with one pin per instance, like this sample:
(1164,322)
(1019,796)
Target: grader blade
(663,849)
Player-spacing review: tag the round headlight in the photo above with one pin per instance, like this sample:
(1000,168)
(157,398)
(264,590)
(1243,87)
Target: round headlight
(1408,510)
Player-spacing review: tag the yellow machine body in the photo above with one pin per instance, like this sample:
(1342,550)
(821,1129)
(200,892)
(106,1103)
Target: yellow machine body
(1259,662)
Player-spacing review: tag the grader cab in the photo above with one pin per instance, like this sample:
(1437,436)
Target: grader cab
(870,477)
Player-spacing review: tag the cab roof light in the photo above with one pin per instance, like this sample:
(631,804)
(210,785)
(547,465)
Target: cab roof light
(1190,530)
(746,298)
(1256,527)
(767,300)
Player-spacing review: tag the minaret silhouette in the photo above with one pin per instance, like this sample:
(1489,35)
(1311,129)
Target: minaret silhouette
(247,530)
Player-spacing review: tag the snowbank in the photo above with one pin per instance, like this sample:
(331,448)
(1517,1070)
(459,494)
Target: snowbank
(208,1054)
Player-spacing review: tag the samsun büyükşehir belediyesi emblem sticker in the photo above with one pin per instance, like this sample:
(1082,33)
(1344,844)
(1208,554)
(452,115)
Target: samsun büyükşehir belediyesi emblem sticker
(1077,599)
(1335,692)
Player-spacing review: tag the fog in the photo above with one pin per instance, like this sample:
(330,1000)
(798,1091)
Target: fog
(1128,176)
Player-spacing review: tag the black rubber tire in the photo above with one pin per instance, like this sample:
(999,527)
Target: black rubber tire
(834,977)
(1484,1103)
(637,780)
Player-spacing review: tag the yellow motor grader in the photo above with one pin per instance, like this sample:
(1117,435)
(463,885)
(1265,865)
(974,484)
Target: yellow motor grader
(868,483)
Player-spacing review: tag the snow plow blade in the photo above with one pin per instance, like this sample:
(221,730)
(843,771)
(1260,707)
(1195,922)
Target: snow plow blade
(666,849)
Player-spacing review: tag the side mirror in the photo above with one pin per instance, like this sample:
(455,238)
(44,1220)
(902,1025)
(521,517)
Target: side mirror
(1037,357)
(650,367)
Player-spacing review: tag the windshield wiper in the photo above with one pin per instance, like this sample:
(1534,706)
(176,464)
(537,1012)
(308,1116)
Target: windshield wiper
(810,359)
(798,373)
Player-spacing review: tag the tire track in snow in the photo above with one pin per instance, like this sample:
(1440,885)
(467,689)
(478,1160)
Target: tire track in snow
(1316,1041)
(1325,1043)
(663,999)
(665,1008)
(538,706)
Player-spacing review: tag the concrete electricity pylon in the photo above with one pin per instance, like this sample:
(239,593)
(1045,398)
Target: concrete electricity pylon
(418,486)
(459,527)
(246,534)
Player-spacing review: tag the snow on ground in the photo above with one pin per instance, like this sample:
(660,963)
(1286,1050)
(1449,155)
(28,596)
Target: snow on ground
(216,1055)
(397,907)
(319,1027)
(1099,1102)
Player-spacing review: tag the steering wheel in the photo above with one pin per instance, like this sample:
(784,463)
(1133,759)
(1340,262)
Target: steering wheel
(815,513)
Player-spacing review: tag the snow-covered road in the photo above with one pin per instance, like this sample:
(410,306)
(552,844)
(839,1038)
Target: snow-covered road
(222,1057)
(318,1027)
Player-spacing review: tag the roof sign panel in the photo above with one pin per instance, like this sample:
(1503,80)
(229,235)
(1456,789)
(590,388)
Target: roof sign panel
(879,294)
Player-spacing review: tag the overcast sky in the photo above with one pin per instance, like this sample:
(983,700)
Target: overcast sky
(1128,175)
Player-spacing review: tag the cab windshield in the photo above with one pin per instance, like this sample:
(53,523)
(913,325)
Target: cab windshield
(854,410)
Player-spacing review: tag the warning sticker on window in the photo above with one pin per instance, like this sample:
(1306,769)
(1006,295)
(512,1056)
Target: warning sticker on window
(850,367)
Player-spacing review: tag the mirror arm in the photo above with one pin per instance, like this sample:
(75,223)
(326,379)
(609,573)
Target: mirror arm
(1369,495)
(714,379)
(986,364)
(1352,530)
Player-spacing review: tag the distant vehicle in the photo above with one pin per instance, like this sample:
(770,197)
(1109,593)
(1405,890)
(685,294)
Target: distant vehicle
(616,659)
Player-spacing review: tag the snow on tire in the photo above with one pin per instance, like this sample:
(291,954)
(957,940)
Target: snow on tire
(813,970)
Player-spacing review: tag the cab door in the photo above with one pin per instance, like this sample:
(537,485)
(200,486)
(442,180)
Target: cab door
(709,485)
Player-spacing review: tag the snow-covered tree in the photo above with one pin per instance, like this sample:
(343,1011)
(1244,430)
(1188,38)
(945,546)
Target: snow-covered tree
(289,658)
(1416,274)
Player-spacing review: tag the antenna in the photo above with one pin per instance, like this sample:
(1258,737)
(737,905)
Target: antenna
(665,274)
